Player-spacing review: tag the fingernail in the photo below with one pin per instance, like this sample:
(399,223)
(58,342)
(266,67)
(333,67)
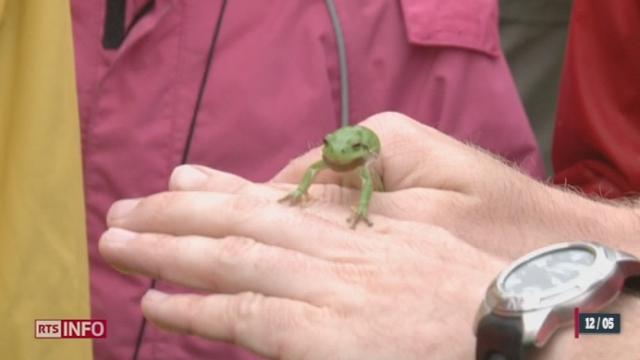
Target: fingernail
(155,295)
(188,176)
(121,209)
(117,236)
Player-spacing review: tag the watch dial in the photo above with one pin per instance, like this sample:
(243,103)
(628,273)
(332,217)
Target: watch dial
(548,271)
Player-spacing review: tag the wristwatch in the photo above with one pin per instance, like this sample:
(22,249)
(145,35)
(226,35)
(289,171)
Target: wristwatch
(537,294)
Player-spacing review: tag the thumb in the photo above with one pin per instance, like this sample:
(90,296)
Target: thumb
(294,171)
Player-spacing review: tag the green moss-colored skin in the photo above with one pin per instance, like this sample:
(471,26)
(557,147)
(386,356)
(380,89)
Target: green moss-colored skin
(346,149)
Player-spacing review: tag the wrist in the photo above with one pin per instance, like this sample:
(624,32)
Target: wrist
(631,231)
(619,226)
(612,223)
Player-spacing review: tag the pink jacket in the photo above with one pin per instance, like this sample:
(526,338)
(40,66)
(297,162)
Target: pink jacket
(273,90)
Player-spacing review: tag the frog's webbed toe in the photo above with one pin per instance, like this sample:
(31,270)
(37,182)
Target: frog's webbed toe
(295,198)
(358,216)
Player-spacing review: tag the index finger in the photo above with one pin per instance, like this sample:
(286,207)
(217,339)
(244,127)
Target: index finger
(319,231)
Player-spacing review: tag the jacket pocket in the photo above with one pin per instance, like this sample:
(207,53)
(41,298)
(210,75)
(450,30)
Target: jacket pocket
(466,24)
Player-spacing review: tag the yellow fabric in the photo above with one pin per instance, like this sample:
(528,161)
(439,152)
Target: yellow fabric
(43,255)
(1,10)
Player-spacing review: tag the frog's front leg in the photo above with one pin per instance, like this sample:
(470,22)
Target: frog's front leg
(300,193)
(362,212)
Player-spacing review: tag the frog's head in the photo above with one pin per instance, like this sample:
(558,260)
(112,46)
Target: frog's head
(349,147)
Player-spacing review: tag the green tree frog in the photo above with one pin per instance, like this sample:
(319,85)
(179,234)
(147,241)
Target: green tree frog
(349,148)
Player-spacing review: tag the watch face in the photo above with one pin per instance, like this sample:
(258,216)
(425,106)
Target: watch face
(548,271)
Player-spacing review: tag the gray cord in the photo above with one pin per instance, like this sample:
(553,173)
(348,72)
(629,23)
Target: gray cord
(342,57)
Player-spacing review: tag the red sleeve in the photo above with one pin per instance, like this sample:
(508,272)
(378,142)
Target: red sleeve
(597,134)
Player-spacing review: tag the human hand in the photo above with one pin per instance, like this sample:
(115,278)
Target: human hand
(432,178)
(293,283)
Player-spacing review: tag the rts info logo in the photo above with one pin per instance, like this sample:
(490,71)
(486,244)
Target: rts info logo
(70,329)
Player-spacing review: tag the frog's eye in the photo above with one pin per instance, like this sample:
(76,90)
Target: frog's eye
(357,146)
(325,141)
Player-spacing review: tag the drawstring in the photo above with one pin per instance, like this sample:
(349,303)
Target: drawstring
(342,57)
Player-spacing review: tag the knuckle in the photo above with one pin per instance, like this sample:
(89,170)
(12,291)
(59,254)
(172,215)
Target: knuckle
(392,122)
(334,193)
(156,207)
(385,116)
(247,305)
(354,273)
(239,210)
(235,246)
(242,311)
(162,245)
(191,307)
(244,204)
